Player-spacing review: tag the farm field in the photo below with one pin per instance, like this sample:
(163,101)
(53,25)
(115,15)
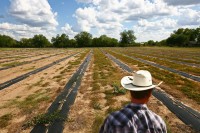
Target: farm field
(75,90)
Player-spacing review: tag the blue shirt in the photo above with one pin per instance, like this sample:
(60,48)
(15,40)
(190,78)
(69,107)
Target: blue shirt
(133,118)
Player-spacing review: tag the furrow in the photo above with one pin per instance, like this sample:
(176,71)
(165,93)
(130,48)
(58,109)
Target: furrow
(183,112)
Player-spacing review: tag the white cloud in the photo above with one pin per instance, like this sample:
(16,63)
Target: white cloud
(182,2)
(84,1)
(67,29)
(188,17)
(35,13)
(150,19)
(108,16)
(86,18)
(165,23)
(154,30)
(22,31)
(33,17)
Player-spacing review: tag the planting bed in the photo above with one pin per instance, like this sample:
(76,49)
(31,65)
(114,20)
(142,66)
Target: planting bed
(185,113)
(32,96)
(195,71)
(74,94)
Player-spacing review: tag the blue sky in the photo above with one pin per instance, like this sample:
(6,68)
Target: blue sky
(149,19)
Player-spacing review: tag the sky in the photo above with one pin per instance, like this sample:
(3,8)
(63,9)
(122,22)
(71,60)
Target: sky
(149,19)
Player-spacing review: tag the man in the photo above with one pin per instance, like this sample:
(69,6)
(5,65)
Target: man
(135,117)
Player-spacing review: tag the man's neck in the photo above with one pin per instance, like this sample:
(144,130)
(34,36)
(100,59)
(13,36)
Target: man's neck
(139,101)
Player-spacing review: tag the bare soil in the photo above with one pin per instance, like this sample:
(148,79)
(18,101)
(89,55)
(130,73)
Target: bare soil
(49,82)
(82,115)
(11,73)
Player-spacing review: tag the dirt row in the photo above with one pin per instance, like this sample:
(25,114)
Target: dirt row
(32,96)
(28,59)
(20,56)
(173,53)
(11,73)
(166,63)
(84,120)
(172,84)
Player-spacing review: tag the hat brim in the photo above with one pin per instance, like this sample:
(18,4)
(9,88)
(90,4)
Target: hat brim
(126,82)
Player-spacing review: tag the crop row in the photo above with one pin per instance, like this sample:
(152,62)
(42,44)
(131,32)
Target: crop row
(181,67)
(176,82)
(184,55)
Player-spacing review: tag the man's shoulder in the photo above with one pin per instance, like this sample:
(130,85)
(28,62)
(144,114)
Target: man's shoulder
(120,117)
(157,118)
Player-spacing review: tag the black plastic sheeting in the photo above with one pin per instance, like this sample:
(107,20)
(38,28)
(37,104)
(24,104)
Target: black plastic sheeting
(184,74)
(120,64)
(26,75)
(20,59)
(67,98)
(27,62)
(174,61)
(183,112)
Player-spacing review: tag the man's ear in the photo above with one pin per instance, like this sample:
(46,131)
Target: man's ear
(149,93)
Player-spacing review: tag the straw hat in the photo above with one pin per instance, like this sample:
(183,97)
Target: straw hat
(140,81)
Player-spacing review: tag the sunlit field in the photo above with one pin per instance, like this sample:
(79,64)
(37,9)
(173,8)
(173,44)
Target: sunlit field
(79,87)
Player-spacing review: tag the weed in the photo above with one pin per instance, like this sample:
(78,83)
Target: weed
(18,96)
(97,123)
(118,90)
(125,103)
(188,87)
(43,119)
(97,106)
(4,120)
(45,84)
(28,69)
(111,109)
(168,126)
(36,84)
(95,87)
(32,102)
(12,64)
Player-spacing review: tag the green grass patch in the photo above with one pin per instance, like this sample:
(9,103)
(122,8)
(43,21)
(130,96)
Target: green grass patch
(32,102)
(118,90)
(43,119)
(29,103)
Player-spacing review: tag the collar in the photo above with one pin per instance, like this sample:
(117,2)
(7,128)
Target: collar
(136,106)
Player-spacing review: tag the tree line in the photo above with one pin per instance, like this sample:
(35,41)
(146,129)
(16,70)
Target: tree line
(82,39)
(181,37)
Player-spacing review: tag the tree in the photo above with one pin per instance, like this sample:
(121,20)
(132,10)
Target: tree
(61,41)
(104,41)
(151,43)
(7,41)
(178,40)
(127,38)
(83,39)
(72,43)
(40,41)
(25,43)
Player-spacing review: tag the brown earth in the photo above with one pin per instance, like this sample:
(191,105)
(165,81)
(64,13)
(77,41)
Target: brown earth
(11,73)
(48,82)
(82,115)
(25,59)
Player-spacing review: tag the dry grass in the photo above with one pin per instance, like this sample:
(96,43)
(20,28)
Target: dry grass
(189,88)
